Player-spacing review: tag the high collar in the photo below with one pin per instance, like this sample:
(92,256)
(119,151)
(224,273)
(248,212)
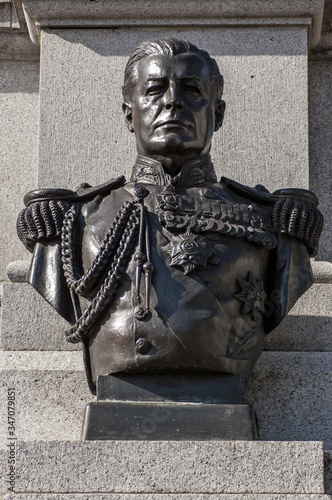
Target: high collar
(192,173)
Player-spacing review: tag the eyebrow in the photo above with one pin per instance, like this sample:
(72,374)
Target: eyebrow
(154,78)
(191,77)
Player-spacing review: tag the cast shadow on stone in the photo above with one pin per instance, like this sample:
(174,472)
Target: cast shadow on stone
(121,41)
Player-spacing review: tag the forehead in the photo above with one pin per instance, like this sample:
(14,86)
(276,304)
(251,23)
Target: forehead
(179,66)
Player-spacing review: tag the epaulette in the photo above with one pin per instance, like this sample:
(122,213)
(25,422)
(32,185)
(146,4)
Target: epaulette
(294,211)
(258,194)
(84,193)
(43,216)
(295,214)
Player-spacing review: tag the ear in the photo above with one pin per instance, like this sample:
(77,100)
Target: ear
(219,114)
(126,108)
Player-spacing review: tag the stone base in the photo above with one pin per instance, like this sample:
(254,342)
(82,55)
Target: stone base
(183,469)
(168,421)
(52,393)
(167,496)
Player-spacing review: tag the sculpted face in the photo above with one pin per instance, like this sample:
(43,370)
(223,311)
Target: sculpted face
(173,112)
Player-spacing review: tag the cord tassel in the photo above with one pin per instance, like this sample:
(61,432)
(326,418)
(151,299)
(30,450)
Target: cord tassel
(141,312)
(139,256)
(148,270)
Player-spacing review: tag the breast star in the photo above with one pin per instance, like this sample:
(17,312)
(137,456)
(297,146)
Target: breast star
(189,251)
(252,294)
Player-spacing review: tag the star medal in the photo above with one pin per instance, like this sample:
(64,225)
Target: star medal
(252,294)
(189,251)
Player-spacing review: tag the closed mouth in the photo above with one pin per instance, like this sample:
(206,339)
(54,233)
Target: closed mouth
(172,123)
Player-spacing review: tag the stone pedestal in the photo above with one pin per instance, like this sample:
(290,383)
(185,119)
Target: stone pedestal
(191,469)
(289,391)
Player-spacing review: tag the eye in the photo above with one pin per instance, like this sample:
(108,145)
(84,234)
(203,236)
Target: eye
(192,89)
(154,89)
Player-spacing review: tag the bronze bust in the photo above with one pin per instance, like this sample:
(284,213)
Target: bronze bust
(173,271)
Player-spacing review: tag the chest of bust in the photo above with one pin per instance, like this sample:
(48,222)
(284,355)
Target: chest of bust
(206,296)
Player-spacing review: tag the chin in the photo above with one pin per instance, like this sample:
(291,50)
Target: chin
(172,144)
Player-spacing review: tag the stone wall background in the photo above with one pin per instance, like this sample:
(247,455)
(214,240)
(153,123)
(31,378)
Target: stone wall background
(19,87)
(320,145)
(264,138)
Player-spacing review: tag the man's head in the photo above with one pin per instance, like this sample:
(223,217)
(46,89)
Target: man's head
(172,100)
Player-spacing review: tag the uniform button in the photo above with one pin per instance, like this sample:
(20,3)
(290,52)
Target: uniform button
(142,346)
(140,312)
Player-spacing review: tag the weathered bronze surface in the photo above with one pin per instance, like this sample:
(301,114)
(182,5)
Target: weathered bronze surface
(172,271)
(167,422)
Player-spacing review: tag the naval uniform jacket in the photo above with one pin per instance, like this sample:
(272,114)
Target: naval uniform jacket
(223,277)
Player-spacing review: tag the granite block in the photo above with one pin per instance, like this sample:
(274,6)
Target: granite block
(167,496)
(17,271)
(170,467)
(16,46)
(66,10)
(320,130)
(308,326)
(322,271)
(4,470)
(5,15)
(50,395)
(29,323)
(18,138)
(291,395)
(196,13)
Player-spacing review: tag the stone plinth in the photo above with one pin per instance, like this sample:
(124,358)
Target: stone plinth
(163,421)
(167,496)
(50,395)
(290,393)
(170,407)
(29,323)
(167,467)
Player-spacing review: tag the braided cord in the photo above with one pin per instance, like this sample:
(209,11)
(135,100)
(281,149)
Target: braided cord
(82,285)
(106,250)
(69,264)
(114,252)
(80,331)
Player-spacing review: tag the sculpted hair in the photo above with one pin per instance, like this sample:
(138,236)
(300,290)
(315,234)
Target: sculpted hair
(168,47)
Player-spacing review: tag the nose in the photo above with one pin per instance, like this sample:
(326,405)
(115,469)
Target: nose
(172,97)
